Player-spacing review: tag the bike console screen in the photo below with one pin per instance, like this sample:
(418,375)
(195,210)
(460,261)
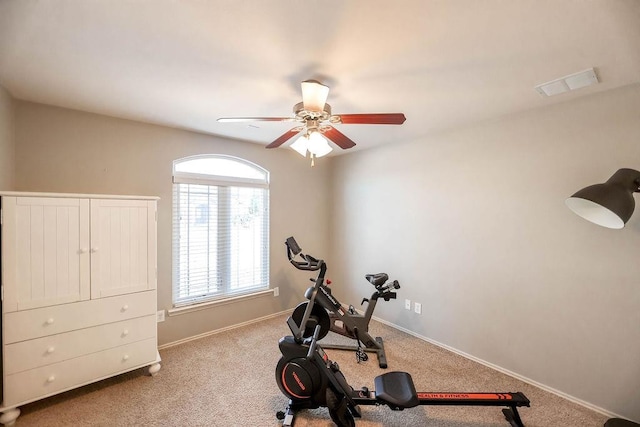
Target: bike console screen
(293,246)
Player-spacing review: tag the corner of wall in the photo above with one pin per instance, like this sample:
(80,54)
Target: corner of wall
(7,140)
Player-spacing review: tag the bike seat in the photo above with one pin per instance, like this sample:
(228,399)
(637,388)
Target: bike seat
(378,279)
(396,389)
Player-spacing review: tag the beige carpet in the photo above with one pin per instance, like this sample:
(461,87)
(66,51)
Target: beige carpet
(228,380)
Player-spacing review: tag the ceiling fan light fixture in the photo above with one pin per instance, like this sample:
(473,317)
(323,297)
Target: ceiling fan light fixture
(318,145)
(300,145)
(314,143)
(314,95)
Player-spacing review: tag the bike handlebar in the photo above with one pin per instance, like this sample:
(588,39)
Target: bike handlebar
(310,263)
(388,287)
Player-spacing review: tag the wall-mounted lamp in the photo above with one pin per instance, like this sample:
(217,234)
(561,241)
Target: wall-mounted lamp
(610,204)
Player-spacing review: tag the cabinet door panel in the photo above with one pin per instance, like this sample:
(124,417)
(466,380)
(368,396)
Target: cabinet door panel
(123,245)
(47,239)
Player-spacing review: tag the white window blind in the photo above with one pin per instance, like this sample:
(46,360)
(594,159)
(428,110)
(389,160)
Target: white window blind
(220,228)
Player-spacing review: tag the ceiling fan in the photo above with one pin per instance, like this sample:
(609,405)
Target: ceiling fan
(316,122)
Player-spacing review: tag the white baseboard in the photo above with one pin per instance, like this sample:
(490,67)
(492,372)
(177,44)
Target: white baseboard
(504,371)
(227,328)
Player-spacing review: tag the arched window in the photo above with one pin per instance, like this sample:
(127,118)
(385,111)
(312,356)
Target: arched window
(220,228)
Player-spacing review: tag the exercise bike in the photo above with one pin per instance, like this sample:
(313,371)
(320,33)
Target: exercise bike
(324,309)
(309,379)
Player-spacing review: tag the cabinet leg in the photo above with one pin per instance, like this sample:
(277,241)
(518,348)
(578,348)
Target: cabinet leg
(153,369)
(8,417)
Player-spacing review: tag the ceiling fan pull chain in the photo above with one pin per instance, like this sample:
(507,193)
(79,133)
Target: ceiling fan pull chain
(313,160)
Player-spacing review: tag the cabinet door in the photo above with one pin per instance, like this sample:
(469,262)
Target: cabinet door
(123,246)
(45,245)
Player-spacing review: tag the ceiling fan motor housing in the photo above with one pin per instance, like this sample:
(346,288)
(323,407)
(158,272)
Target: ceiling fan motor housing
(303,115)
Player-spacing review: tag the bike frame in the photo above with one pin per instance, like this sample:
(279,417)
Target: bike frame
(352,324)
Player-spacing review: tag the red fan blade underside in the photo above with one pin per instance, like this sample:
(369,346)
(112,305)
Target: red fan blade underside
(254,119)
(284,138)
(340,139)
(373,119)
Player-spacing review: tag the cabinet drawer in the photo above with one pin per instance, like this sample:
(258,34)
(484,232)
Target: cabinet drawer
(47,380)
(41,322)
(25,355)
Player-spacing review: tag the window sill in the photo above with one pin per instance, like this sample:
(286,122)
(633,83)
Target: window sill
(205,305)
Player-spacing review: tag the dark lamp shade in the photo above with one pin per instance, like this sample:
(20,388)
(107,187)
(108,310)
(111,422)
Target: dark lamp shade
(610,204)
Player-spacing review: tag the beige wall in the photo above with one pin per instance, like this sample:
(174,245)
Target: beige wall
(471,222)
(7,141)
(473,225)
(61,150)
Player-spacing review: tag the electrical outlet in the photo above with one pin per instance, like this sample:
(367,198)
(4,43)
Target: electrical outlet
(417,307)
(276,291)
(160,316)
(407,304)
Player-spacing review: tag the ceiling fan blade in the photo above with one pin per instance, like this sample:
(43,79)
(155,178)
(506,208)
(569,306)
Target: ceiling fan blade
(340,139)
(284,138)
(373,119)
(254,119)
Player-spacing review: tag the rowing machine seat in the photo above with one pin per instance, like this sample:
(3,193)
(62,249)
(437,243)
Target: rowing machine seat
(396,390)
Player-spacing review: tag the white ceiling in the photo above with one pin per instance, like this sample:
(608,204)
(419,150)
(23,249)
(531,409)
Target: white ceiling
(185,63)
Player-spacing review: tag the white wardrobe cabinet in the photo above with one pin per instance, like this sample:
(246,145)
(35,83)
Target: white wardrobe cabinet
(78,292)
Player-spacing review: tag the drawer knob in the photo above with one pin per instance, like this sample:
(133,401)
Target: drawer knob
(125,357)
(125,332)
(50,321)
(50,350)
(51,379)
(94,249)
(125,307)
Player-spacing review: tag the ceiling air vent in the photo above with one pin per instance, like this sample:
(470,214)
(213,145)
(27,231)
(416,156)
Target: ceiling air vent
(567,83)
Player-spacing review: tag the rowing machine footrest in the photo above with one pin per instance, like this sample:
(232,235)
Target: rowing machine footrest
(396,390)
